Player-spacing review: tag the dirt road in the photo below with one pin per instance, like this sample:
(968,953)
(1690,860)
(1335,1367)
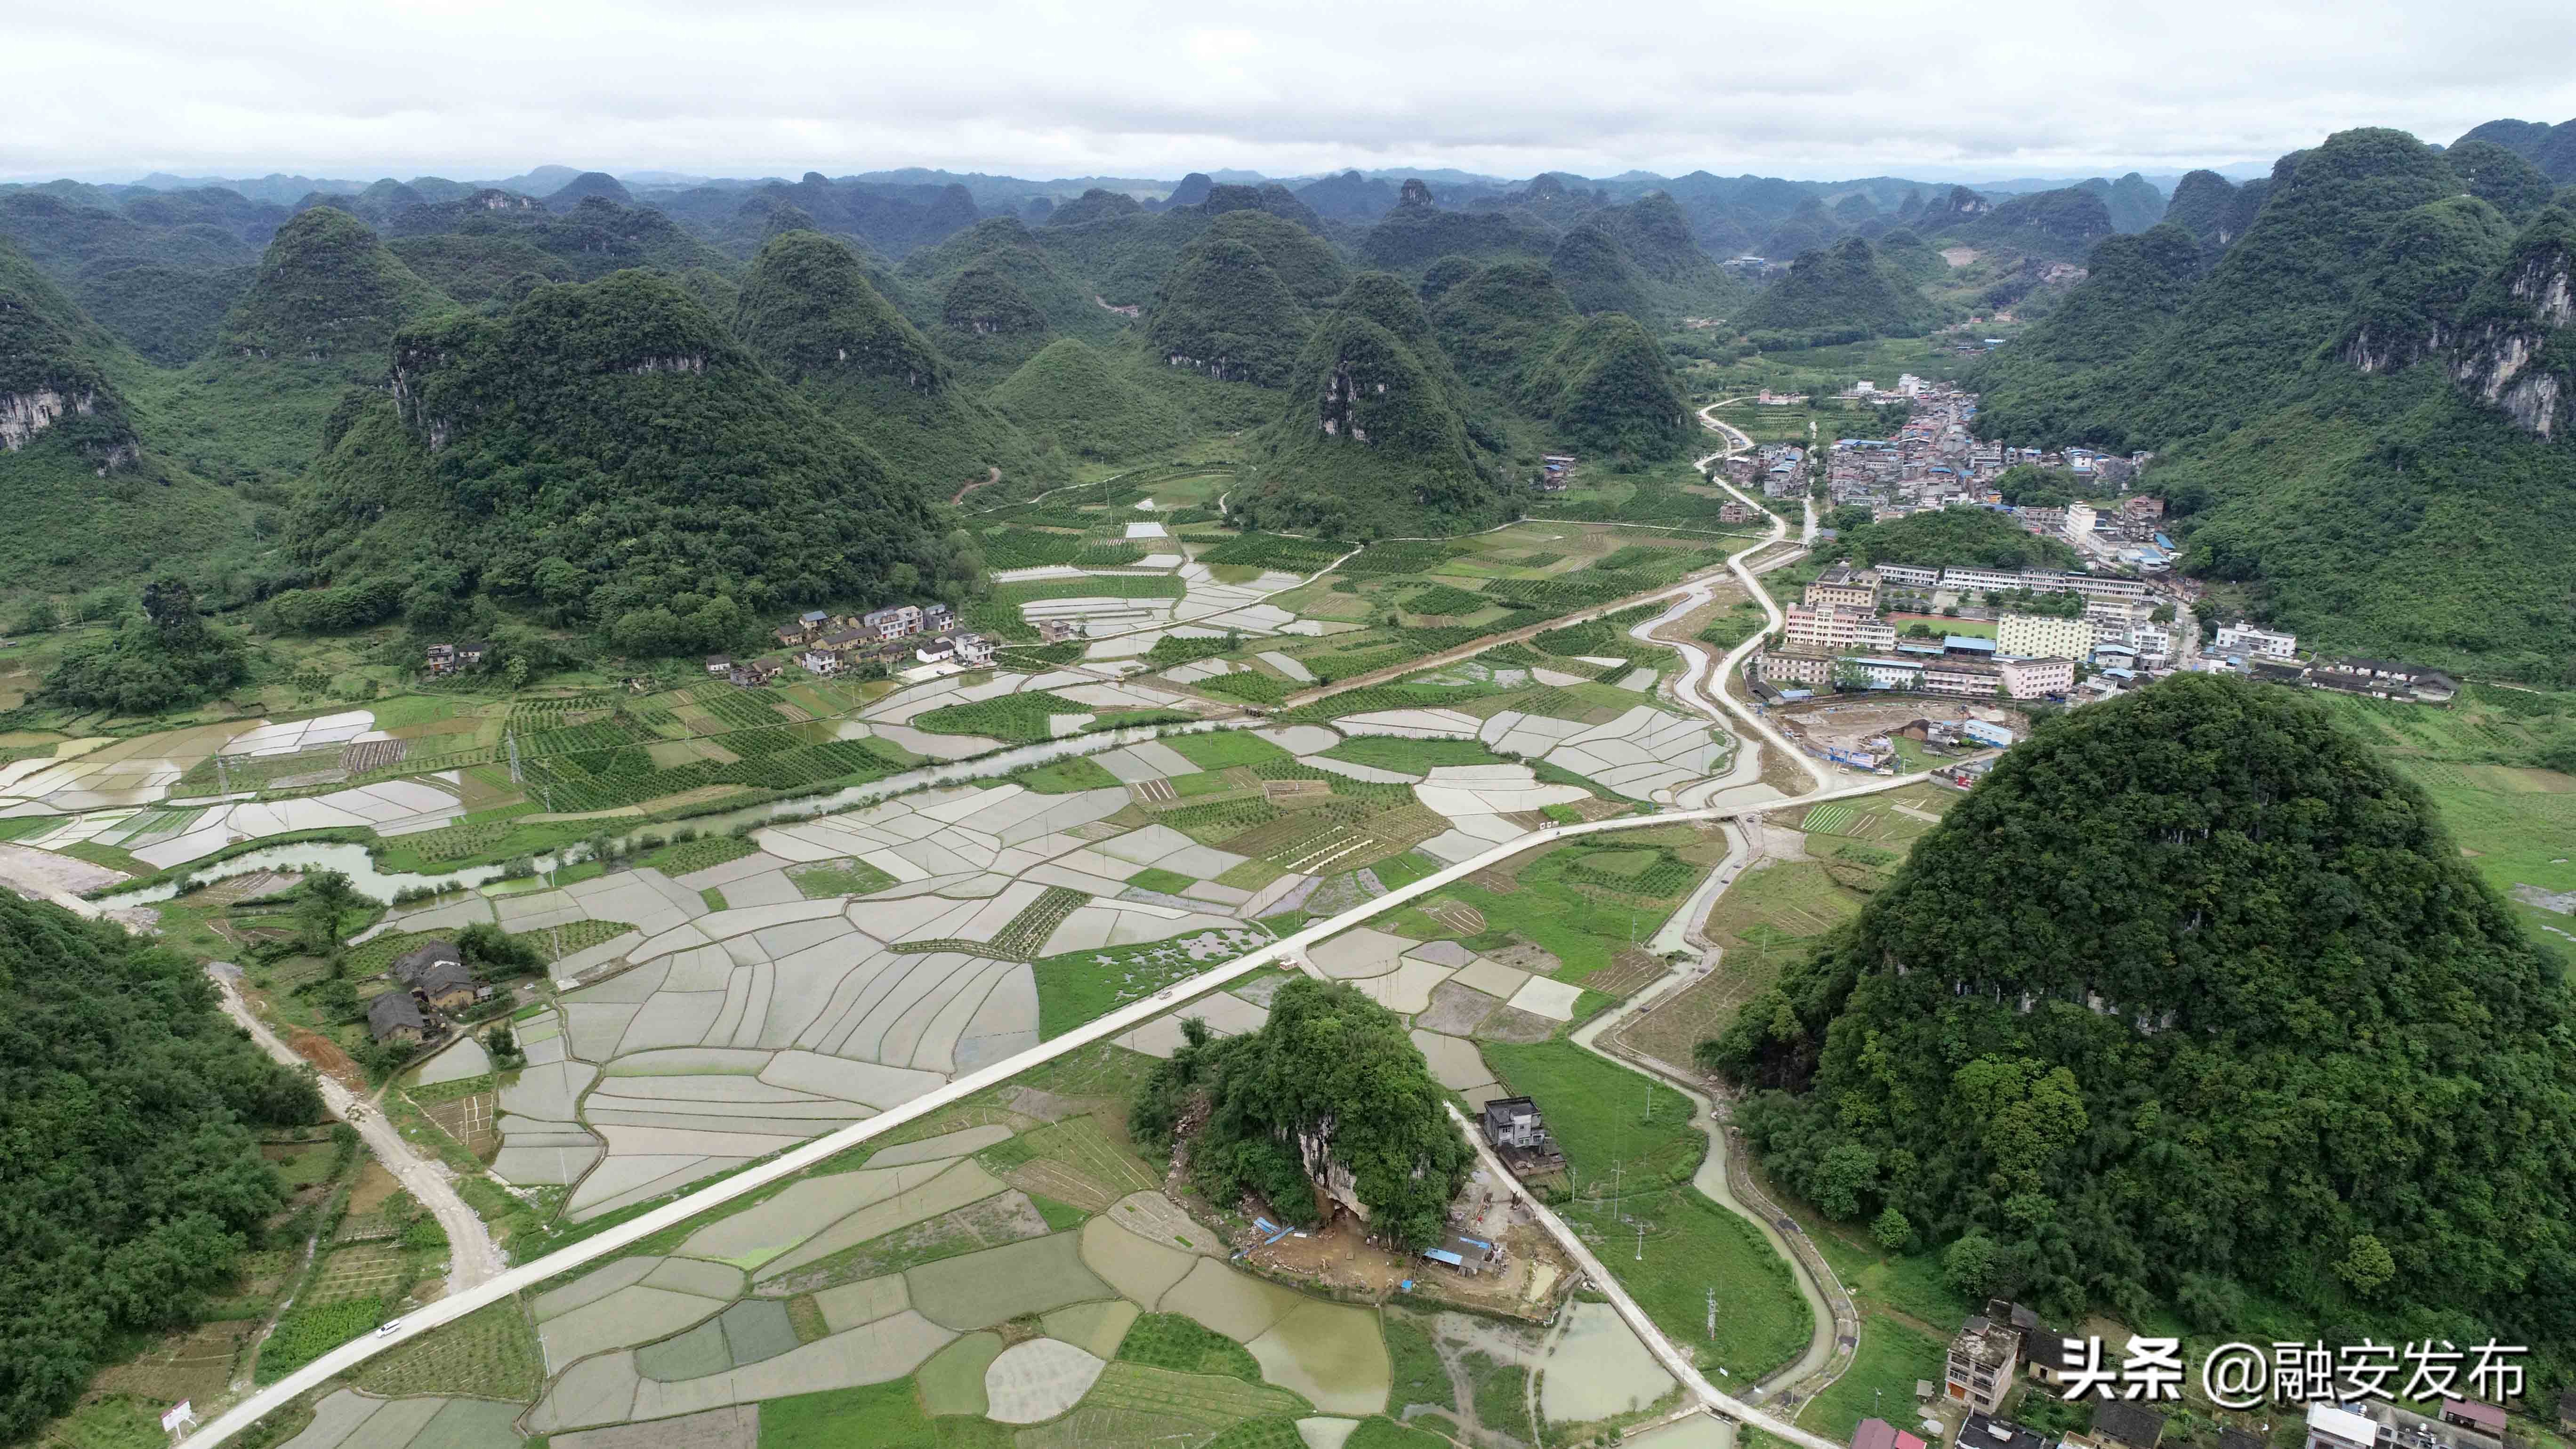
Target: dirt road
(474,1258)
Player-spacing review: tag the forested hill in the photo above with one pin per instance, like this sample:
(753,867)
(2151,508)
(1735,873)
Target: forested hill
(1374,438)
(2193,999)
(809,312)
(608,454)
(327,289)
(131,1184)
(1839,294)
(2363,401)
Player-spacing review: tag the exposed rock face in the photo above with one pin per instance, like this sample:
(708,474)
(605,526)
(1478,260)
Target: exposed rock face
(2517,351)
(25,414)
(1415,192)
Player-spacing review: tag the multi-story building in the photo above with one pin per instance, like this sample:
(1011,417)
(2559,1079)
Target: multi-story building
(2091,586)
(2117,615)
(2036,678)
(1781,666)
(2043,636)
(1834,629)
(1887,673)
(894,623)
(1972,678)
(1910,577)
(1982,581)
(2332,1427)
(1845,587)
(1979,1371)
(2080,519)
(2244,638)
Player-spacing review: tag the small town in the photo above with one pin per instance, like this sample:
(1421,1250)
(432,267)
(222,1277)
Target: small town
(2043,636)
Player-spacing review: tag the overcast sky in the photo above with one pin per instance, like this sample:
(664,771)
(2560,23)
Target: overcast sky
(1041,88)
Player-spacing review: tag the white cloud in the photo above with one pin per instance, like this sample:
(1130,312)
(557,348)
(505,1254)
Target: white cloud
(1149,87)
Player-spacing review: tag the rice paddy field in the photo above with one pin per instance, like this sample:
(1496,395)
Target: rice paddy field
(800,1315)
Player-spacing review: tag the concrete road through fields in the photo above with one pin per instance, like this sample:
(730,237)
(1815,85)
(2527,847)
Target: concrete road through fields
(474,1258)
(1675,1362)
(787,1164)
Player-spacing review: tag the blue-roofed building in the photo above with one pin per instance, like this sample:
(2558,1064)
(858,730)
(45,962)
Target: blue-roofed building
(1969,645)
(1443,1255)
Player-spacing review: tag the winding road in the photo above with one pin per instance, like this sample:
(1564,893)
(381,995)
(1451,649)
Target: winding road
(1703,686)
(474,1258)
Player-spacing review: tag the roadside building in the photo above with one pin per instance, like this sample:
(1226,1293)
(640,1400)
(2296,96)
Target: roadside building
(1845,587)
(1998,737)
(1517,1131)
(1834,629)
(2330,1427)
(395,1017)
(1979,1369)
(1984,1431)
(1880,1434)
(2121,1424)
(2244,638)
(2486,1421)
(1782,666)
(1910,577)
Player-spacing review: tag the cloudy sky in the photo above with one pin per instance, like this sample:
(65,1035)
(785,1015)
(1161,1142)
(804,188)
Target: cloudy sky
(2003,88)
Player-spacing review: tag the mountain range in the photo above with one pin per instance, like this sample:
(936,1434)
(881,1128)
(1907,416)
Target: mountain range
(2351,365)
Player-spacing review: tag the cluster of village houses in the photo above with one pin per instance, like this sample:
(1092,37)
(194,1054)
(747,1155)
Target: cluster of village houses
(431,986)
(901,636)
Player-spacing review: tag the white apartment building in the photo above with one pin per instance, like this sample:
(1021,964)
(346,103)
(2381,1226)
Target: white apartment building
(2243,638)
(2036,678)
(2091,586)
(2080,519)
(1908,576)
(1979,581)
(1888,673)
(1843,586)
(2118,614)
(1834,629)
(2043,636)
(1782,667)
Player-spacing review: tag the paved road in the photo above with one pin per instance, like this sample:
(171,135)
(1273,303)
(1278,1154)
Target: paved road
(751,1179)
(457,1304)
(1675,1362)
(1734,661)
(474,1259)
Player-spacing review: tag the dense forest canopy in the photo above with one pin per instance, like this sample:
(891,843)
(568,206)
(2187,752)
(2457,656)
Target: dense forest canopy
(2193,998)
(132,1184)
(1330,1091)
(1943,537)
(607,450)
